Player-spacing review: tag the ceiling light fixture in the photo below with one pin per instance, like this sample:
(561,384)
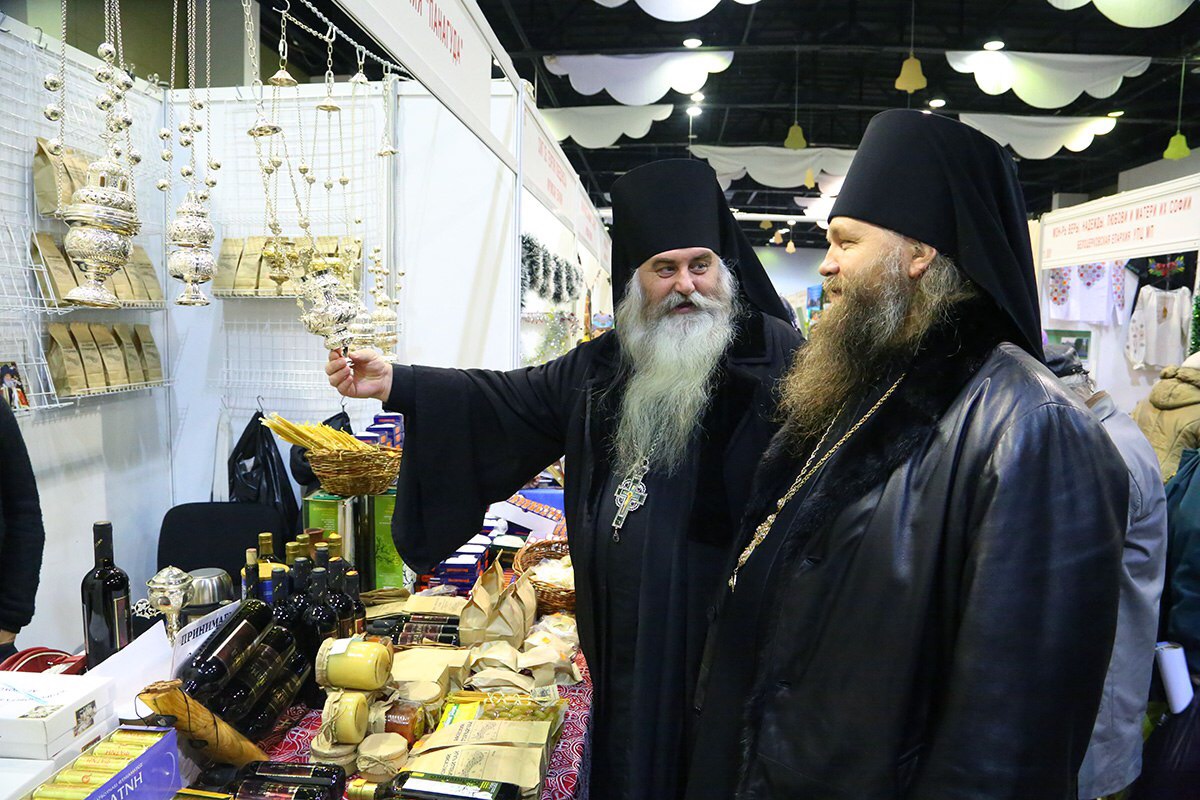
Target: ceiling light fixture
(698,97)
(937,102)
(1115,114)
(993,44)
(1177,147)
(791,222)
(694,111)
(911,78)
(692,43)
(791,247)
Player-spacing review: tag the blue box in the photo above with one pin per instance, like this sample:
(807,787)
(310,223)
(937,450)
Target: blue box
(154,775)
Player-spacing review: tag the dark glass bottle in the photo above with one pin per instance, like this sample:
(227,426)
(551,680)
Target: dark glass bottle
(291,551)
(343,606)
(279,585)
(360,611)
(322,556)
(226,650)
(266,548)
(299,575)
(256,789)
(329,776)
(320,622)
(289,612)
(107,621)
(250,576)
(252,681)
(279,698)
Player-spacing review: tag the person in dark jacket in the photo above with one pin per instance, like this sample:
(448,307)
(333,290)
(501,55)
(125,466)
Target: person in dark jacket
(925,597)
(21,534)
(662,423)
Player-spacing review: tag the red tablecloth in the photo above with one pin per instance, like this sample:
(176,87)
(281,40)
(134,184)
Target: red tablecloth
(299,725)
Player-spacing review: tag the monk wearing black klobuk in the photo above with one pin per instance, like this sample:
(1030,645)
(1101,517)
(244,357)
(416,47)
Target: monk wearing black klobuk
(662,422)
(925,596)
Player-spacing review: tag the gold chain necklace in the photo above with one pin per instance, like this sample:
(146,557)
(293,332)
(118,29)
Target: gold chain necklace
(806,473)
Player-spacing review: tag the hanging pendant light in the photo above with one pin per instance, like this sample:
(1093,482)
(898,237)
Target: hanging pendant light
(778,237)
(791,246)
(765,224)
(795,136)
(1177,148)
(810,180)
(911,78)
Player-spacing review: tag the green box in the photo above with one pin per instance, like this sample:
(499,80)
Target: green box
(389,568)
(321,511)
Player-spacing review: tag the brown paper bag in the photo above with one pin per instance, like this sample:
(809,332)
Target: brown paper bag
(58,272)
(144,277)
(93,365)
(118,284)
(507,622)
(227,265)
(51,186)
(522,766)
(475,616)
(327,245)
(151,361)
(526,596)
(77,167)
(495,655)
(486,731)
(66,366)
(128,345)
(246,280)
(111,355)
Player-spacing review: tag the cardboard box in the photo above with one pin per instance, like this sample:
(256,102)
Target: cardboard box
(93,365)
(111,355)
(58,273)
(389,567)
(41,713)
(153,775)
(19,777)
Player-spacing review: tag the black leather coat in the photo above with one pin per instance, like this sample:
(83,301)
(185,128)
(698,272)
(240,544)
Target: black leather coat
(947,596)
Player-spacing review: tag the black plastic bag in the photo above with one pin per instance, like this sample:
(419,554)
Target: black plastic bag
(257,475)
(301,469)
(1171,759)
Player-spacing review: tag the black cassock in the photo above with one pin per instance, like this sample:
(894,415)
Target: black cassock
(474,437)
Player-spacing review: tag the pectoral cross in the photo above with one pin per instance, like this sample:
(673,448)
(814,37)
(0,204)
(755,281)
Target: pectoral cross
(629,496)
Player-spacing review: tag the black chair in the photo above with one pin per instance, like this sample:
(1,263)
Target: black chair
(196,535)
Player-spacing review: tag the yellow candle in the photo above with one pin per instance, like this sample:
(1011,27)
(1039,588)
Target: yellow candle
(81,777)
(62,792)
(145,738)
(101,763)
(118,750)
(346,714)
(353,664)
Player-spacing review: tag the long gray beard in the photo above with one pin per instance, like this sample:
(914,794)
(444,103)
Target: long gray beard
(672,358)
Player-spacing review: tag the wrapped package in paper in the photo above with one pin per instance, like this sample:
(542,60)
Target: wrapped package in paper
(93,366)
(222,743)
(522,766)
(64,362)
(495,655)
(501,680)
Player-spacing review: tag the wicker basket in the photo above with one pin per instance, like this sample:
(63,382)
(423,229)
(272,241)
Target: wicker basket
(348,473)
(551,599)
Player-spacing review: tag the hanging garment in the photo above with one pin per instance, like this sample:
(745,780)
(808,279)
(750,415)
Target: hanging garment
(1167,272)
(1159,327)
(220,482)
(1091,293)
(257,474)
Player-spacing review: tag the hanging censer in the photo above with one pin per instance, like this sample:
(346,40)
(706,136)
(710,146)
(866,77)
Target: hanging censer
(102,214)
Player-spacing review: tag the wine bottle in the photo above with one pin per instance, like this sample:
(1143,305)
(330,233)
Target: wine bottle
(250,575)
(279,698)
(321,559)
(279,586)
(266,548)
(255,789)
(320,622)
(252,681)
(107,621)
(343,606)
(290,612)
(226,650)
(291,551)
(360,611)
(329,776)
(302,539)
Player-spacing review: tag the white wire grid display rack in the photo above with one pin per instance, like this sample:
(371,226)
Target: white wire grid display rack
(23,306)
(270,360)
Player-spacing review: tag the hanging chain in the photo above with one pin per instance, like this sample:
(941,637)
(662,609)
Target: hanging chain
(806,473)
(168,132)
(211,164)
(60,164)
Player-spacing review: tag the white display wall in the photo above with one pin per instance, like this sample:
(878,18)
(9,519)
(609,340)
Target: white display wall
(101,457)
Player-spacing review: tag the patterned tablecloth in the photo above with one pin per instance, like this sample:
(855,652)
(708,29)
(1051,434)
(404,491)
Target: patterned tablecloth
(296,730)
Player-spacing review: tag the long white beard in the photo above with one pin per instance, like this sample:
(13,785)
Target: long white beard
(673,358)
